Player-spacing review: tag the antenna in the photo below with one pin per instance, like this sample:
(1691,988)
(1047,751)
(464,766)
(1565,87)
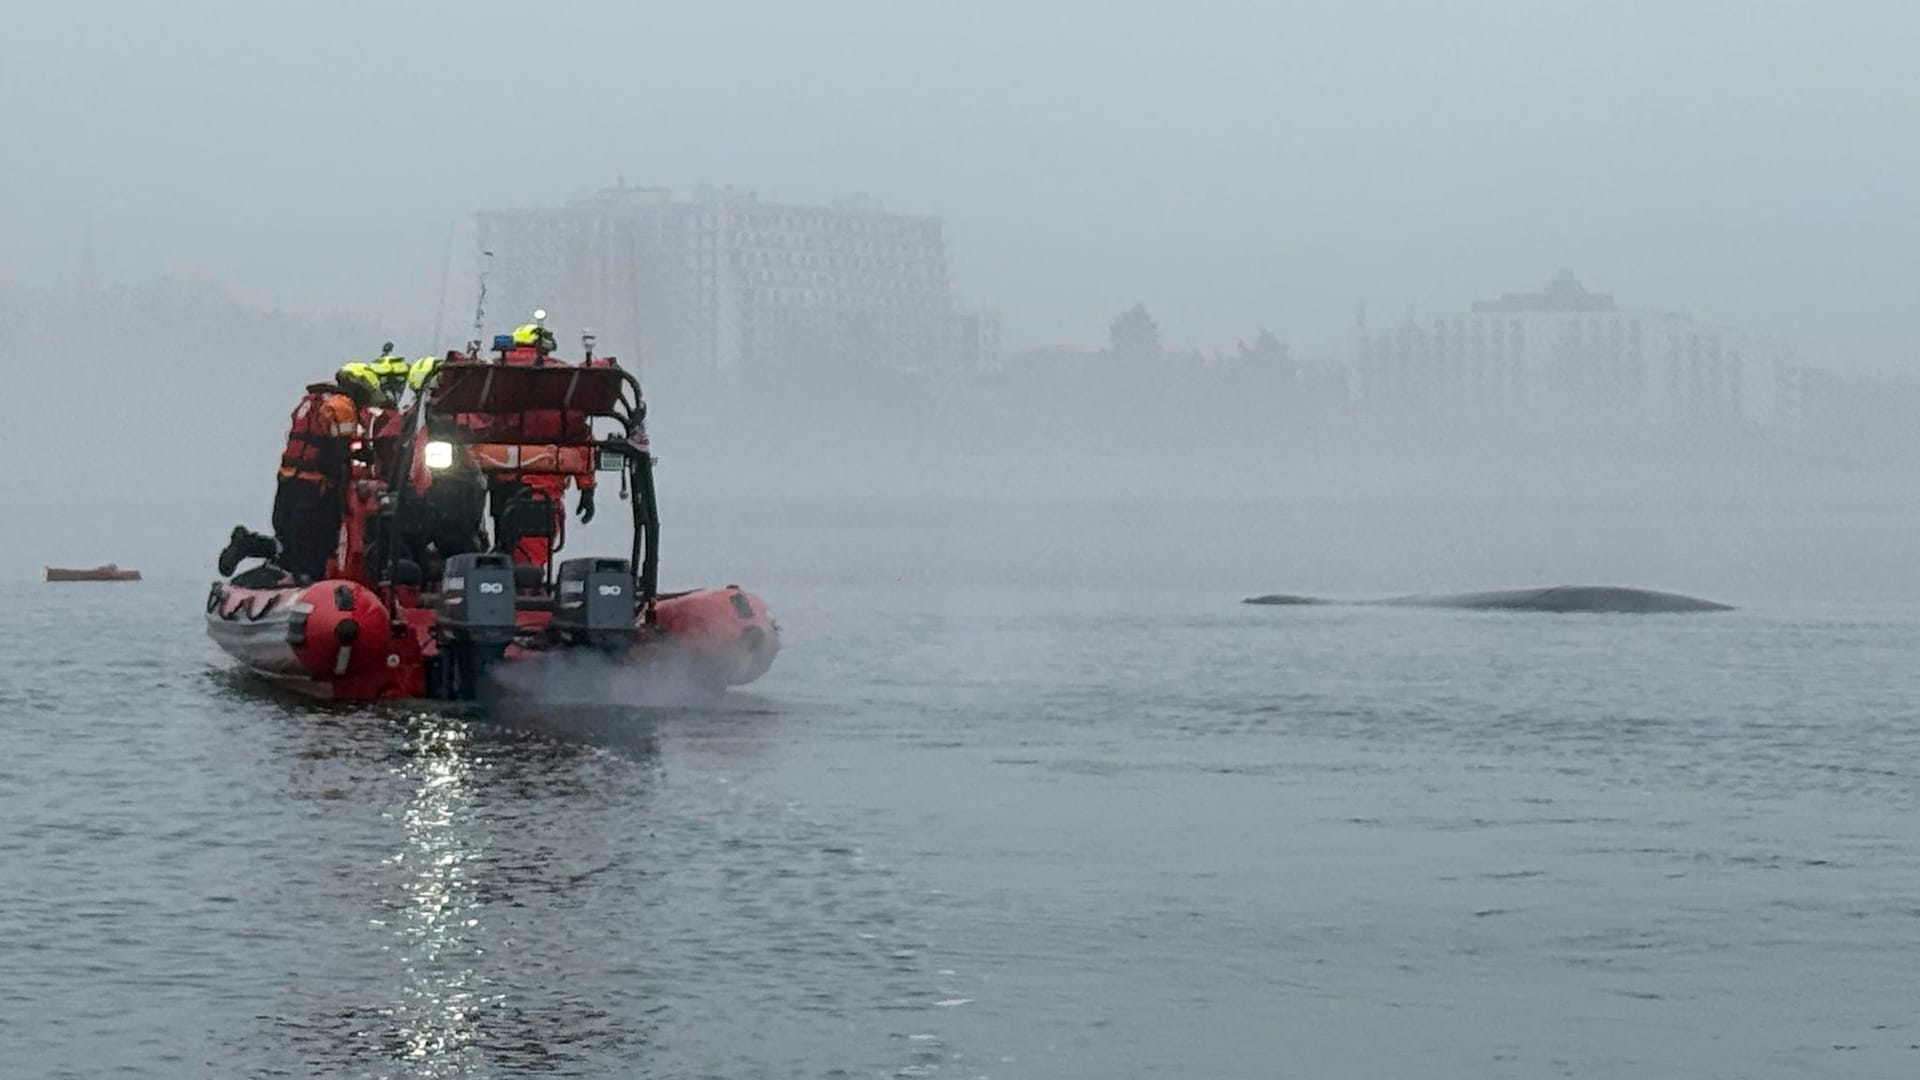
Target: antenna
(446,264)
(480,304)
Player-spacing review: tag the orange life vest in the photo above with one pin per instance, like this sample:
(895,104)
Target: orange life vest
(320,435)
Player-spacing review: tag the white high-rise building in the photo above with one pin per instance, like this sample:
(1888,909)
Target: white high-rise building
(1567,359)
(727,283)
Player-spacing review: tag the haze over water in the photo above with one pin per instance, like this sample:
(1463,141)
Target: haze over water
(1028,793)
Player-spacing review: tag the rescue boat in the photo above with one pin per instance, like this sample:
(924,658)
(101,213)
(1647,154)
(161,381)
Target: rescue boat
(383,625)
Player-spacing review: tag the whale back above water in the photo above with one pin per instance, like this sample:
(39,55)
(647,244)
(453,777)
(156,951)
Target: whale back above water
(1602,599)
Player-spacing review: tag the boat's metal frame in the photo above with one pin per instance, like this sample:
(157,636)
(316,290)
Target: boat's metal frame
(433,420)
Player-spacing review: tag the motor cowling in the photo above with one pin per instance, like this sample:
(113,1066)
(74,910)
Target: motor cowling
(477,620)
(594,602)
(476,598)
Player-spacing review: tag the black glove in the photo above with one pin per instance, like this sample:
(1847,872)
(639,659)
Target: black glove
(586,505)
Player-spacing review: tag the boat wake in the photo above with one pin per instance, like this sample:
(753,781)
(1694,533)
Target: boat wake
(590,679)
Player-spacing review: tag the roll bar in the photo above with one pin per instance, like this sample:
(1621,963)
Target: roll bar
(472,388)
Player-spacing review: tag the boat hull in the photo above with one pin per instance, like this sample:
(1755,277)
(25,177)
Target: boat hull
(727,636)
(329,639)
(336,639)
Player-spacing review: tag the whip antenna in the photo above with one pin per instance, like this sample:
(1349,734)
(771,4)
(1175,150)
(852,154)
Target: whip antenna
(480,304)
(446,264)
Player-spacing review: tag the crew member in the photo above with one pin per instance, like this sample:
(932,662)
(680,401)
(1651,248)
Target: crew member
(533,345)
(379,418)
(392,370)
(418,372)
(534,335)
(314,471)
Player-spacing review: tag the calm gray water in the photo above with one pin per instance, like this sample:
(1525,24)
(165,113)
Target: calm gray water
(1029,794)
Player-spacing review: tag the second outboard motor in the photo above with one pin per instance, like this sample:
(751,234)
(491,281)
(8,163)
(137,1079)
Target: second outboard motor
(594,603)
(476,619)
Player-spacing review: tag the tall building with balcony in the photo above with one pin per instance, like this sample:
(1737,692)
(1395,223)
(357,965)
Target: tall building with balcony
(723,282)
(1566,359)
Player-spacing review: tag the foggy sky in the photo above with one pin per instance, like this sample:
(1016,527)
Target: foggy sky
(1232,164)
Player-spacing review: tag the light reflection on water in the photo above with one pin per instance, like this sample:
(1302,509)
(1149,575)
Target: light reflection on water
(438,926)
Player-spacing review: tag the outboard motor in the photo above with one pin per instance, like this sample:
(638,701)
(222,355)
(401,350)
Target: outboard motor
(594,603)
(476,620)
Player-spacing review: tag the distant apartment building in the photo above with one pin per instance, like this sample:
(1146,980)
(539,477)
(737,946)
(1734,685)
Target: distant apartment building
(723,282)
(1568,359)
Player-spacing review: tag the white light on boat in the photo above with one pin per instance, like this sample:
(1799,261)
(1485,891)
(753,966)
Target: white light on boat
(439,455)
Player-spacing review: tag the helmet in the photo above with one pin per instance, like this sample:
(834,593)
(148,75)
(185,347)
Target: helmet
(417,374)
(391,371)
(359,382)
(535,332)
